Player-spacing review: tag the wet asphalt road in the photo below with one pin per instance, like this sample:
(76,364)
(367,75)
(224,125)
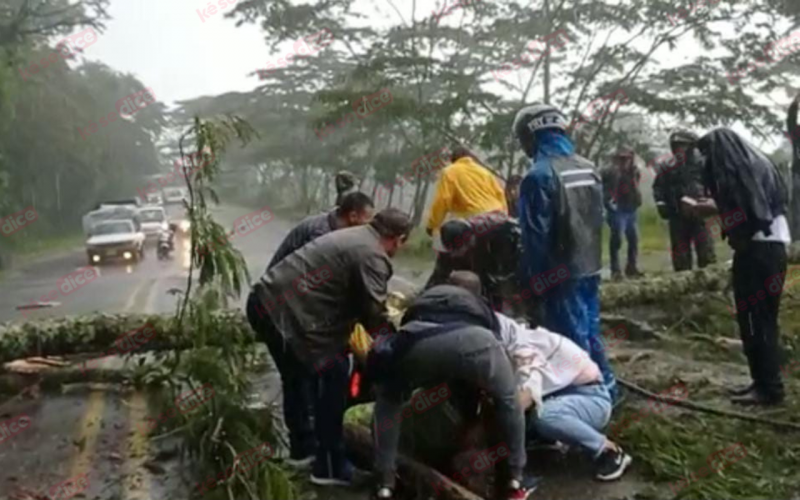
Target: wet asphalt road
(140,287)
(93,432)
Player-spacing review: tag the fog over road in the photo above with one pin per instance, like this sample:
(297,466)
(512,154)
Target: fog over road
(140,288)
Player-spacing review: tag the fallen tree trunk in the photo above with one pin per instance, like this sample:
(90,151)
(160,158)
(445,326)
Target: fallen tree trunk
(108,334)
(664,288)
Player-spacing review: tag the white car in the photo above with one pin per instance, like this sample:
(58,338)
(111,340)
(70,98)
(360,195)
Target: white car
(154,221)
(115,240)
(175,196)
(154,199)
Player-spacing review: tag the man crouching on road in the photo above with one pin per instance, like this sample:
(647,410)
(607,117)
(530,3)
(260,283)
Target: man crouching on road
(448,334)
(304,308)
(560,388)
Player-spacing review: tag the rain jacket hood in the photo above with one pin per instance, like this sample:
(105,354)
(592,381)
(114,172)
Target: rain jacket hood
(740,177)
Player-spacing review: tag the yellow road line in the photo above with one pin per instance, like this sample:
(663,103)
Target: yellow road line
(135,478)
(88,431)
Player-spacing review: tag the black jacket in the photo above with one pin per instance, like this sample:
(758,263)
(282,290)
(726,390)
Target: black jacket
(439,310)
(740,177)
(309,229)
(676,177)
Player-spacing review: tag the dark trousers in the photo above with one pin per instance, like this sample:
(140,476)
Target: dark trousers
(324,390)
(470,356)
(683,231)
(298,382)
(755,268)
(623,222)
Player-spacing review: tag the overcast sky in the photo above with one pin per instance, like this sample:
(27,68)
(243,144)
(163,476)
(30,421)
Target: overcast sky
(168,47)
(181,52)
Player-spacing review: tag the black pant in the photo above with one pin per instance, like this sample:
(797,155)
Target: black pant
(755,268)
(326,387)
(682,232)
(298,382)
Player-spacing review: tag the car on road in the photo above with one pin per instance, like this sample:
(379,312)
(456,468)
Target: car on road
(154,222)
(154,199)
(175,196)
(111,212)
(112,240)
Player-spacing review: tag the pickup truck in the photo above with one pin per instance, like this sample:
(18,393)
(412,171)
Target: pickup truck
(115,240)
(154,221)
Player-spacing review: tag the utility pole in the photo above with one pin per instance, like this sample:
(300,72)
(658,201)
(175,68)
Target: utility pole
(548,23)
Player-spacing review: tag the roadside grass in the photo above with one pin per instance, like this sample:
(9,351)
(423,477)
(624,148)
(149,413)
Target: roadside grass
(24,249)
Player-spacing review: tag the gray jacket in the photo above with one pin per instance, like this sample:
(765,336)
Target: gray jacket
(316,294)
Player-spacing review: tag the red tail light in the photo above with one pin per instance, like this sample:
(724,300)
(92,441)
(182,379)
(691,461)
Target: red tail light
(355,385)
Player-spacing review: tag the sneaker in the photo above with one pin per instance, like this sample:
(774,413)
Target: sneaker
(330,473)
(611,464)
(521,490)
(383,493)
(300,463)
(617,276)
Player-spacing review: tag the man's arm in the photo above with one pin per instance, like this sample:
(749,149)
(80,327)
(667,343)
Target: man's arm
(536,220)
(441,202)
(372,279)
(609,196)
(660,192)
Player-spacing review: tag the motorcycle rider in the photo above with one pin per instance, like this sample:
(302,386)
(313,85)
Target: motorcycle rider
(165,242)
(682,176)
(561,219)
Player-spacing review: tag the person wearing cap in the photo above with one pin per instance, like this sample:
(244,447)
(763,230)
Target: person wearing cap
(678,181)
(345,182)
(749,194)
(561,219)
(622,199)
(304,308)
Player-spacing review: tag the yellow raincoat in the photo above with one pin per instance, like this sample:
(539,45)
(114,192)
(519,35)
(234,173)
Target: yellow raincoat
(466,189)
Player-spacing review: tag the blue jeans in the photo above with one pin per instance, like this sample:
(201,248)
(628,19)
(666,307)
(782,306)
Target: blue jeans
(626,222)
(573,310)
(575,416)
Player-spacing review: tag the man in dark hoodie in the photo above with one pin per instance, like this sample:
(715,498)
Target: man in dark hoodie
(793,129)
(449,334)
(750,196)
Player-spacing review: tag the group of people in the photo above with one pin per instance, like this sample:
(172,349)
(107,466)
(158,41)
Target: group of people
(547,380)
